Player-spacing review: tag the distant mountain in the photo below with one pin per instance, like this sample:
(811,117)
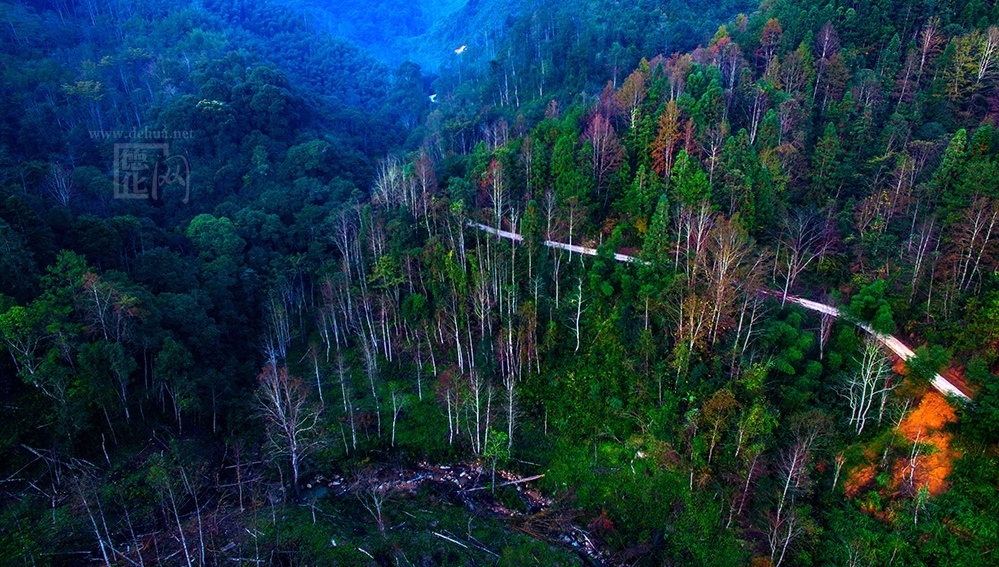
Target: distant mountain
(392,30)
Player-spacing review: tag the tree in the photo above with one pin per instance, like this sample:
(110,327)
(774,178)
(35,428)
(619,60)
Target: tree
(688,183)
(953,165)
(658,246)
(870,384)
(769,42)
(959,67)
(804,238)
(23,331)
(214,238)
(631,95)
(607,153)
(290,418)
(983,415)
(172,371)
(17,263)
(826,166)
(870,305)
(667,140)
(496,452)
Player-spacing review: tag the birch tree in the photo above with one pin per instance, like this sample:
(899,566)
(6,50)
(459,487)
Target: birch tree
(804,238)
(291,419)
(869,385)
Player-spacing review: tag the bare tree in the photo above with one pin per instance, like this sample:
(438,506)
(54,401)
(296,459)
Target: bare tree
(607,152)
(729,246)
(988,49)
(805,237)
(398,401)
(390,187)
(278,339)
(291,419)
(826,46)
(758,110)
(59,183)
(109,311)
(869,385)
(794,462)
(792,474)
(929,43)
(579,312)
(372,493)
(496,182)
(426,180)
(348,406)
(919,248)
(972,242)
(781,533)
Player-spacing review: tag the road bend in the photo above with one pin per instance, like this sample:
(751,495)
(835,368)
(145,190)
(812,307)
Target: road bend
(939,382)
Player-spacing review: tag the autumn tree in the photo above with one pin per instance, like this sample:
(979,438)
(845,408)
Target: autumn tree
(716,415)
(769,42)
(632,94)
(667,140)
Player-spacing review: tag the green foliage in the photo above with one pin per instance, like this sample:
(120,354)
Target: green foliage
(214,238)
(661,400)
(688,182)
(981,417)
(929,361)
(871,306)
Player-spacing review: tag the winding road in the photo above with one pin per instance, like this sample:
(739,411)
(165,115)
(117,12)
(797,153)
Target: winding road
(553,244)
(943,385)
(939,382)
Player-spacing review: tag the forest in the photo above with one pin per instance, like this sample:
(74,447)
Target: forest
(499,283)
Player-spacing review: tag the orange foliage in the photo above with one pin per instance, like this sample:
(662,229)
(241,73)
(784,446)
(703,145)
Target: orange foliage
(860,476)
(926,423)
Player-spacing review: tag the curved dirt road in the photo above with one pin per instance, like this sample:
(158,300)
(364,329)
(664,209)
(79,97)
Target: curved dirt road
(940,383)
(943,385)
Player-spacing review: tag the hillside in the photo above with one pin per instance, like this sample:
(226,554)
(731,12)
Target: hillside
(271,292)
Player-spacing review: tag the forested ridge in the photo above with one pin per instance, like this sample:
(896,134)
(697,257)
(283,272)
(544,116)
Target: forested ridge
(301,347)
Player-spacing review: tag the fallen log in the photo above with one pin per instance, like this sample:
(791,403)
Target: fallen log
(508,483)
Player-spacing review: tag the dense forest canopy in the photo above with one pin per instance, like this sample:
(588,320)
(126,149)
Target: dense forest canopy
(510,283)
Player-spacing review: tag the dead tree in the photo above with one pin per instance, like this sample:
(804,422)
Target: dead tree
(804,238)
(291,419)
(870,384)
(372,494)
